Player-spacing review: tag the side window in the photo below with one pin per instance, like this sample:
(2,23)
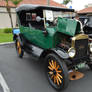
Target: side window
(32,22)
(28,16)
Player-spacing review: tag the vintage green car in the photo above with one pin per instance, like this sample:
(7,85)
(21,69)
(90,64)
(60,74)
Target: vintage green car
(51,34)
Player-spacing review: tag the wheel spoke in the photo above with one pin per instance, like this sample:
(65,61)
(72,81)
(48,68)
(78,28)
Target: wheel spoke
(59,71)
(51,65)
(59,79)
(57,67)
(19,50)
(50,68)
(50,72)
(18,44)
(59,75)
(52,76)
(57,82)
(54,79)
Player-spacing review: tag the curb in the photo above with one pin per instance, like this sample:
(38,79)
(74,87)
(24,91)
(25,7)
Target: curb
(6,43)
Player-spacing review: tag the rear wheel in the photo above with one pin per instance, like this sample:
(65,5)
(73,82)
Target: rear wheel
(56,71)
(19,49)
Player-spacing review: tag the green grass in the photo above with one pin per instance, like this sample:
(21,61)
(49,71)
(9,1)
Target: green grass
(5,37)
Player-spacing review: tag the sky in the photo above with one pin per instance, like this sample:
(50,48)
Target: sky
(77,4)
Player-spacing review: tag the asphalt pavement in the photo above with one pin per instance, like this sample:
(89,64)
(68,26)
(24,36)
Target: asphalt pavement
(27,74)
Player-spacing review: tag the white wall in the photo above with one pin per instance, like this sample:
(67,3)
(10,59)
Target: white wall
(4,18)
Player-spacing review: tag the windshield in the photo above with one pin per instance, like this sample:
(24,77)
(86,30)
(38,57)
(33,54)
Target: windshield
(51,16)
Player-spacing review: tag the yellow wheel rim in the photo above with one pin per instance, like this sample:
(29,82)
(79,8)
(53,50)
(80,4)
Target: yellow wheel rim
(18,47)
(55,72)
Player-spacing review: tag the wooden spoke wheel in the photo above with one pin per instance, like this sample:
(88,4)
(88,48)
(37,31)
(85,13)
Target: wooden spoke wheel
(19,49)
(57,72)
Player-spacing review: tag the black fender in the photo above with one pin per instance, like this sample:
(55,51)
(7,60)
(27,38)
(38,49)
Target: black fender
(58,51)
(61,53)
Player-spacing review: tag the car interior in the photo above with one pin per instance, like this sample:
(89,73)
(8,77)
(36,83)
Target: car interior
(28,19)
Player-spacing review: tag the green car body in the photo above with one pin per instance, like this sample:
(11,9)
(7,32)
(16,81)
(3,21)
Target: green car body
(37,37)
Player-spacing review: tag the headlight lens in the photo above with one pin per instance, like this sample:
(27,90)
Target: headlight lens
(71,52)
(90,47)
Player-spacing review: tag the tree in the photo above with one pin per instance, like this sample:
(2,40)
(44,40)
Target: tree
(16,2)
(9,11)
(8,8)
(66,1)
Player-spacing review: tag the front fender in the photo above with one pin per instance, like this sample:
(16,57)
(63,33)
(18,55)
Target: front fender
(58,51)
(61,53)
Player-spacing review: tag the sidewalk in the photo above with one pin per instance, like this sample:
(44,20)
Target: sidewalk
(6,43)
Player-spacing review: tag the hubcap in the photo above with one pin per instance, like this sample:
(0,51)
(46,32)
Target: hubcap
(55,71)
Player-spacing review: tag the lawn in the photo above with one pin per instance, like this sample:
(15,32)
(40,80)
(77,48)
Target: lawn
(5,37)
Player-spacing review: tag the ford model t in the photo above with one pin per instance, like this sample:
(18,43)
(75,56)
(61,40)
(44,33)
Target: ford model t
(51,34)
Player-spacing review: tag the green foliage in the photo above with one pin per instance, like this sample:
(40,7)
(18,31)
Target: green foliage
(5,37)
(7,30)
(16,2)
(66,1)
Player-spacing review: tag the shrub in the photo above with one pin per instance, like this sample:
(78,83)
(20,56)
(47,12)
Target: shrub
(8,30)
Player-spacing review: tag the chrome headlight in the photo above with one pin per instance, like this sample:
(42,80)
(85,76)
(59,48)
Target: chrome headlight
(90,47)
(71,52)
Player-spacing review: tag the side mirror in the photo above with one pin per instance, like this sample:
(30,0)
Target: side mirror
(38,18)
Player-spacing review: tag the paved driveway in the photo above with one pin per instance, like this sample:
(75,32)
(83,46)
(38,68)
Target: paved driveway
(27,74)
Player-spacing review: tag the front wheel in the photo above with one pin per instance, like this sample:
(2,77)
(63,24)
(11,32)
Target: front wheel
(19,49)
(90,66)
(56,71)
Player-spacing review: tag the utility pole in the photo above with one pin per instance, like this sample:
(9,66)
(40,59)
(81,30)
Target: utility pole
(48,2)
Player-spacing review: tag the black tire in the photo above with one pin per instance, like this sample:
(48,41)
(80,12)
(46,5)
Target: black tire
(89,63)
(90,66)
(21,53)
(62,67)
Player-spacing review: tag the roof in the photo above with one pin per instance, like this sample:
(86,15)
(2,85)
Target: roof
(27,7)
(86,10)
(39,2)
(3,4)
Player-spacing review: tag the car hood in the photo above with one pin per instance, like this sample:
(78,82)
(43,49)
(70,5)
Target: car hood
(68,26)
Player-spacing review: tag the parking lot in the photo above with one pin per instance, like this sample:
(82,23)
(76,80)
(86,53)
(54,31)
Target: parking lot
(27,74)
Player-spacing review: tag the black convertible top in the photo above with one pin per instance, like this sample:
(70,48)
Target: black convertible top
(27,7)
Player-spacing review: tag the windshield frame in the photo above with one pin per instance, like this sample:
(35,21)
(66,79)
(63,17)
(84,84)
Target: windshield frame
(62,12)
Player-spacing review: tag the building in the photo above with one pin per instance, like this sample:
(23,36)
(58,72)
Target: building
(85,12)
(4,17)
